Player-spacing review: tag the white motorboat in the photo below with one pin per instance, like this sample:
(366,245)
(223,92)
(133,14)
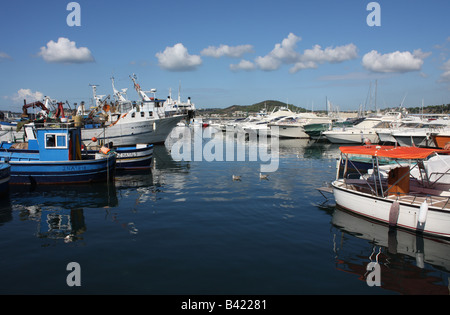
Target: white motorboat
(294,126)
(364,131)
(412,194)
(261,123)
(385,134)
(420,136)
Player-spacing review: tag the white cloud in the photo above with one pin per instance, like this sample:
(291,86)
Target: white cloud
(268,63)
(394,62)
(243,65)
(65,51)
(177,58)
(283,53)
(445,77)
(28,95)
(329,54)
(228,51)
(302,65)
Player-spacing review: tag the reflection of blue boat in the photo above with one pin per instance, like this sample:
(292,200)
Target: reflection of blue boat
(54,156)
(5,171)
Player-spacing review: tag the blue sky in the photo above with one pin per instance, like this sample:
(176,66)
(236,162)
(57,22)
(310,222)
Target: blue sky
(228,52)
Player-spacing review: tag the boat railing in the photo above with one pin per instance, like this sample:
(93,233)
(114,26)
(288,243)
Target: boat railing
(54,124)
(442,174)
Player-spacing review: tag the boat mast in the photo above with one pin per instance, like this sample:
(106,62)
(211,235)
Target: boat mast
(138,89)
(118,94)
(376,86)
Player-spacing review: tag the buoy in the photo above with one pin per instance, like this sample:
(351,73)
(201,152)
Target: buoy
(423,211)
(94,139)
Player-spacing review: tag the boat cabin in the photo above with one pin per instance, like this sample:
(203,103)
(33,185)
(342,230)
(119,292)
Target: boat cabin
(56,144)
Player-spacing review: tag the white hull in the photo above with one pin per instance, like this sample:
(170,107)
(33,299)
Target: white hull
(412,138)
(386,137)
(378,208)
(291,131)
(354,136)
(151,131)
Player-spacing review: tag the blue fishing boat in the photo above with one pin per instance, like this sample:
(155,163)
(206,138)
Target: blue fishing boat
(53,156)
(138,157)
(134,158)
(5,172)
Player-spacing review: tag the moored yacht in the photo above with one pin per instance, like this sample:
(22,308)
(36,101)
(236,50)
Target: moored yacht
(363,131)
(421,135)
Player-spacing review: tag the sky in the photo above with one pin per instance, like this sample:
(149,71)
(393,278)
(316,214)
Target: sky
(224,53)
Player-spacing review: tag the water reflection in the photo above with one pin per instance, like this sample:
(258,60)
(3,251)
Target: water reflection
(410,263)
(5,210)
(59,210)
(97,195)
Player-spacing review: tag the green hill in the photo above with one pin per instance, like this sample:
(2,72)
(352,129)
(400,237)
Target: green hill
(268,105)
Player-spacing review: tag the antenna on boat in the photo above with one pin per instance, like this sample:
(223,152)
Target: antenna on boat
(94,92)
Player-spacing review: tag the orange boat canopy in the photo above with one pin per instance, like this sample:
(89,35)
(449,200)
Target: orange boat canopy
(405,153)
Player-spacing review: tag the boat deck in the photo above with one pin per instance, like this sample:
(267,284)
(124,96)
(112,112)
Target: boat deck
(413,197)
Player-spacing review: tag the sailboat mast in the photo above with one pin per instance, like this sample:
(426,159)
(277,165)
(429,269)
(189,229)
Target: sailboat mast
(376,86)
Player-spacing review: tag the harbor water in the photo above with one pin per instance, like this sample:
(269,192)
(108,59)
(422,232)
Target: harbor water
(187,228)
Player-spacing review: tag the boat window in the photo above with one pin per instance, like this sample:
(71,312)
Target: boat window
(133,114)
(142,114)
(150,114)
(58,141)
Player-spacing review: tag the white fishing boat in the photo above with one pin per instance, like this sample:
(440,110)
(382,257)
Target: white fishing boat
(412,194)
(130,123)
(177,107)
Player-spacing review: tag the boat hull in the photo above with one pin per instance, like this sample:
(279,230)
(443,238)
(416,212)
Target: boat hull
(352,137)
(441,140)
(378,208)
(287,131)
(62,172)
(5,175)
(134,158)
(314,131)
(151,131)
(386,137)
(411,140)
